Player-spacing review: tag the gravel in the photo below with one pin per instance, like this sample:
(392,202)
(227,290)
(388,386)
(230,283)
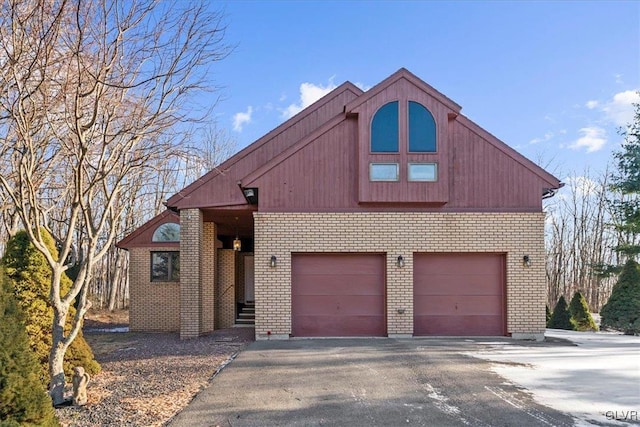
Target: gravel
(147,379)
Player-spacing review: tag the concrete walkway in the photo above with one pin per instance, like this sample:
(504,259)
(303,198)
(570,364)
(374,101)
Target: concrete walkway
(363,382)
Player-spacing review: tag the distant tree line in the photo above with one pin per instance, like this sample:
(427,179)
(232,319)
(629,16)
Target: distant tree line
(593,227)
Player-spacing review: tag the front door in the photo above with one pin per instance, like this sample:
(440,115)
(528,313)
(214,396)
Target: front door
(248,279)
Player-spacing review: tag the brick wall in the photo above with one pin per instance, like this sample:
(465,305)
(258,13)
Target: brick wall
(208,278)
(191,236)
(154,306)
(514,234)
(226,289)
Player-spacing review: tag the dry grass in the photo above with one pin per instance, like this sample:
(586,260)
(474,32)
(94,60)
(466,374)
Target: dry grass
(147,378)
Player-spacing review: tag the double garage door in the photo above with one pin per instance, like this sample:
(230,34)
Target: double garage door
(344,294)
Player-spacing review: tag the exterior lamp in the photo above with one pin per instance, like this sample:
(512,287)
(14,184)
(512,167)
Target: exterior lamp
(400,261)
(526,261)
(273,261)
(237,244)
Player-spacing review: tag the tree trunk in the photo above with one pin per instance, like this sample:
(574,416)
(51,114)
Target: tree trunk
(56,359)
(115,281)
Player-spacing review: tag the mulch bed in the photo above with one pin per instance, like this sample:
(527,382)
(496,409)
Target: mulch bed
(147,379)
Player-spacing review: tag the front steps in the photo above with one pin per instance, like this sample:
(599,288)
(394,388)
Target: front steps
(246,315)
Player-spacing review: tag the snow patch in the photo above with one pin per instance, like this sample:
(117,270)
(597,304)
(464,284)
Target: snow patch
(597,380)
(121,329)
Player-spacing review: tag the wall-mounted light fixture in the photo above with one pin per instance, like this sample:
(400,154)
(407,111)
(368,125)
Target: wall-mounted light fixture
(273,261)
(526,261)
(237,244)
(400,261)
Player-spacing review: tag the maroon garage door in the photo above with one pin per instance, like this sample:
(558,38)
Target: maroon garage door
(337,295)
(458,294)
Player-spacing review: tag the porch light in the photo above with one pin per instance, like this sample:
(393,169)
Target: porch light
(526,261)
(237,244)
(400,261)
(273,262)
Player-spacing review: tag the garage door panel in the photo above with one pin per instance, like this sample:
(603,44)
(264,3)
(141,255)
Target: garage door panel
(330,284)
(338,295)
(322,264)
(460,325)
(451,284)
(459,294)
(337,305)
(454,305)
(332,326)
(447,263)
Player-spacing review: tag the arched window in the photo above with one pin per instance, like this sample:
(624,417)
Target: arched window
(422,129)
(168,232)
(384,129)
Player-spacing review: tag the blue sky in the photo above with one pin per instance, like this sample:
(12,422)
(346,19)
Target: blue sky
(552,79)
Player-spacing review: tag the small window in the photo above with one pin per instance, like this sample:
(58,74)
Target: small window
(384,172)
(423,172)
(384,129)
(165,266)
(169,232)
(422,129)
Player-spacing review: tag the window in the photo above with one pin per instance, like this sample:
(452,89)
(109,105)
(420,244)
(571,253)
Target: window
(423,172)
(422,129)
(169,232)
(165,266)
(384,129)
(384,172)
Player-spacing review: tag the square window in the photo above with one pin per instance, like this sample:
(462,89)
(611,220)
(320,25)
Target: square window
(165,266)
(384,172)
(426,172)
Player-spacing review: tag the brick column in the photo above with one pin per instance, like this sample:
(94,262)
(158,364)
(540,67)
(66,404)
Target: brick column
(399,294)
(191,237)
(208,277)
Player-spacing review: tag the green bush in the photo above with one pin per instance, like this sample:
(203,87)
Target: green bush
(29,276)
(23,399)
(548,314)
(580,314)
(622,311)
(561,318)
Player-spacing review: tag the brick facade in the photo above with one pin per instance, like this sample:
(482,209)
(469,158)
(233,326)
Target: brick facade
(226,289)
(514,234)
(155,306)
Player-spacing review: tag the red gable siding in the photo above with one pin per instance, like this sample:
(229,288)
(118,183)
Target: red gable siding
(318,161)
(220,186)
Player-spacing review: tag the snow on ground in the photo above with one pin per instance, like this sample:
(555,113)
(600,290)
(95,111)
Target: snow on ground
(597,380)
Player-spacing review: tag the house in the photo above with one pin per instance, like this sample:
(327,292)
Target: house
(377,213)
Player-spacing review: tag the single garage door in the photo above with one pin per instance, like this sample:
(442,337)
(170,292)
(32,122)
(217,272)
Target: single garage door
(459,294)
(337,295)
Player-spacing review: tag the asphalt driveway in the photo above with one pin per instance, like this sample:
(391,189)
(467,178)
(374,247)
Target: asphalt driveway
(363,382)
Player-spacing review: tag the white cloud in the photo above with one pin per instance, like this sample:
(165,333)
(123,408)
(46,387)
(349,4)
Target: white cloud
(581,185)
(618,78)
(547,136)
(363,86)
(592,104)
(309,93)
(620,109)
(593,139)
(240,119)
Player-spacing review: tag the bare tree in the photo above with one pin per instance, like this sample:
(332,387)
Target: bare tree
(579,240)
(92,92)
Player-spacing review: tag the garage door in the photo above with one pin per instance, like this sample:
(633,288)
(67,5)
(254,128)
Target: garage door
(459,294)
(337,295)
